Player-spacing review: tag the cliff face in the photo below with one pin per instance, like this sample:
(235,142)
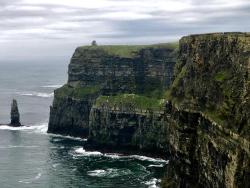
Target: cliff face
(109,70)
(198,114)
(128,121)
(211,76)
(211,87)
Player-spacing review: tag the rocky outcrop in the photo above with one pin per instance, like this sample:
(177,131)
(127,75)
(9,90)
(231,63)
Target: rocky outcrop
(109,70)
(14,114)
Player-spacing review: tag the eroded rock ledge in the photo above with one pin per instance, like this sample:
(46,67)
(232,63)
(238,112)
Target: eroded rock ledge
(192,106)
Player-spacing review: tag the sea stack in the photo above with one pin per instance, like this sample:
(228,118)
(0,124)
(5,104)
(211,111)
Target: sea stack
(14,114)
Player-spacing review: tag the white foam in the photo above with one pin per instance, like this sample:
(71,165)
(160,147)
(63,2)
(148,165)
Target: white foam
(83,152)
(138,157)
(98,173)
(154,165)
(110,172)
(55,165)
(31,180)
(40,128)
(153,183)
(7,127)
(53,86)
(38,176)
(113,155)
(145,158)
(36,94)
(69,137)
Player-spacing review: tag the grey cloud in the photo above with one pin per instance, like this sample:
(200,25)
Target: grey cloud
(64,25)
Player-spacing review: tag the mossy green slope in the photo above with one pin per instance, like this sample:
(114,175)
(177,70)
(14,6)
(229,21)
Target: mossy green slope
(211,76)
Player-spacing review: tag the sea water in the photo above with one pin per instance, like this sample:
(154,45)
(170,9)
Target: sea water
(30,158)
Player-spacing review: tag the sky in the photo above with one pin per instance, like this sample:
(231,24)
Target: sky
(50,30)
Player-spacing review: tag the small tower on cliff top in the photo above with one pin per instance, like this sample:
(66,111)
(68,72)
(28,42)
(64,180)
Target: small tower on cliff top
(14,114)
(93,43)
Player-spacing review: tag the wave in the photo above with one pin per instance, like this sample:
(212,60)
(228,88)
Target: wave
(114,155)
(55,165)
(145,158)
(7,127)
(53,86)
(36,94)
(41,128)
(68,137)
(138,157)
(83,152)
(31,180)
(109,173)
(153,183)
(154,165)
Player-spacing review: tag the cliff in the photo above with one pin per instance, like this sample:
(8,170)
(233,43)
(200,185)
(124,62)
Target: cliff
(191,106)
(106,71)
(211,87)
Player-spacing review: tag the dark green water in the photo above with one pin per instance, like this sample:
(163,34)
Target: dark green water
(30,158)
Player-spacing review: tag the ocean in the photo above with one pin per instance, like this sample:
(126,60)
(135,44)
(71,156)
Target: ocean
(31,158)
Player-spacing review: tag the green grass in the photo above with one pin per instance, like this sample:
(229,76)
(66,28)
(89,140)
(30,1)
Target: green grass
(128,51)
(137,101)
(77,92)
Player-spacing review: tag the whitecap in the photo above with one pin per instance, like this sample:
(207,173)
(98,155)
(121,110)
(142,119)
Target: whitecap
(27,181)
(83,152)
(156,165)
(113,155)
(110,172)
(138,157)
(38,176)
(68,137)
(7,127)
(40,128)
(98,173)
(152,183)
(55,165)
(145,158)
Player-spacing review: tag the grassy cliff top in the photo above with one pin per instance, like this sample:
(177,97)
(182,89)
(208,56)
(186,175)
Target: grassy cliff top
(76,92)
(209,36)
(127,51)
(131,100)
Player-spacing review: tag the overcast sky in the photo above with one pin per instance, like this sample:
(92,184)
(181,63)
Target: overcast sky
(51,29)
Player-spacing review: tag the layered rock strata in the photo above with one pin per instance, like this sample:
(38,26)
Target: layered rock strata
(109,70)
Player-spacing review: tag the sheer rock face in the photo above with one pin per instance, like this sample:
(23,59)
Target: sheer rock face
(211,88)
(15,116)
(108,70)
